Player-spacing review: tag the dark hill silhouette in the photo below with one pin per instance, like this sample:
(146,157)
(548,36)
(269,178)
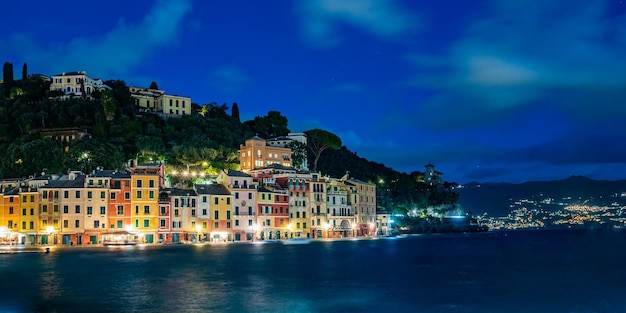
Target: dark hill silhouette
(496,198)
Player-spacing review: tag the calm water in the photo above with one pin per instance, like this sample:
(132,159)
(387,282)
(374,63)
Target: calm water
(523,271)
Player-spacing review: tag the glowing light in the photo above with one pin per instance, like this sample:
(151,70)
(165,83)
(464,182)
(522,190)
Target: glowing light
(198,228)
(326,226)
(174,172)
(129,228)
(49,229)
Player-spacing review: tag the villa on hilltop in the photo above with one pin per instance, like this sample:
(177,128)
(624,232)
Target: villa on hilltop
(157,101)
(76,84)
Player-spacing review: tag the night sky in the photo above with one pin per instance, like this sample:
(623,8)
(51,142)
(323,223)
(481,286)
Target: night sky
(488,91)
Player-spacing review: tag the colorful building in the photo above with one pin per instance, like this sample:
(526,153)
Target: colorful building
(244,192)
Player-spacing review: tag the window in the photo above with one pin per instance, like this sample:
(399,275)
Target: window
(217,225)
(77,223)
(304,215)
(217,215)
(162,223)
(31,225)
(44,208)
(56,208)
(66,194)
(227,224)
(203,211)
(139,183)
(203,199)
(138,194)
(89,193)
(236,222)
(32,211)
(10,210)
(151,194)
(120,210)
(23,211)
(146,223)
(77,209)
(119,224)
(103,210)
(151,183)
(113,196)
(176,212)
(216,200)
(249,195)
(228,214)
(127,195)
(77,194)
(193,212)
(162,210)
(96,224)
(103,195)
(236,195)
(227,200)
(66,223)
(146,209)
(136,209)
(89,210)
(249,222)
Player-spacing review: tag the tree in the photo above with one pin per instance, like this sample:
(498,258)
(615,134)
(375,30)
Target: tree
(7,72)
(272,125)
(24,71)
(319,140)
(235,112)
(153,85)
(298,152)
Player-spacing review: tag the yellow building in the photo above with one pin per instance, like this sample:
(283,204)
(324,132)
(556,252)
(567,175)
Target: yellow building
(257,153)
(362,198)
(145,205)
(156,100)
(9,229)
(76,84)
(317,203)
(96,204)
(29,214)
(220,203)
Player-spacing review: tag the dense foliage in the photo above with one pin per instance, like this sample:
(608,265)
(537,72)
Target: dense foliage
(206,141)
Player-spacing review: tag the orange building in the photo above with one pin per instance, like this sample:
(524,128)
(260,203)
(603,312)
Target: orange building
(257,153)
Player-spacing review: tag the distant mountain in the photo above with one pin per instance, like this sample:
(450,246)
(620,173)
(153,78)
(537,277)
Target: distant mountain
(496,198)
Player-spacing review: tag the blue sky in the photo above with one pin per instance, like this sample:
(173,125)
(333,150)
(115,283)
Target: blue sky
(488,91)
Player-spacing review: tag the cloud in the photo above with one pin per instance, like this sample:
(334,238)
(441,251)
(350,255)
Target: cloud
(229,79)
(523,55)
(321,19)
(114,53)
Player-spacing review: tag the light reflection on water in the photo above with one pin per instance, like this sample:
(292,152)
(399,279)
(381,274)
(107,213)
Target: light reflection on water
(521,272)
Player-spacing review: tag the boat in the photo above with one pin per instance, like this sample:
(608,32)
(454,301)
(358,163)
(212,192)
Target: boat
(297,241)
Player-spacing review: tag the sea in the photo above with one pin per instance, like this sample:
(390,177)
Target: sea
(495,271)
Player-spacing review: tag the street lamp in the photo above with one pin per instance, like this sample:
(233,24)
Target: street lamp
(49,231)
(326,227)
(255,228)
(198,229)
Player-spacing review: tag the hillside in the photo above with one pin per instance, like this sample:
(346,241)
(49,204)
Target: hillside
(496,198)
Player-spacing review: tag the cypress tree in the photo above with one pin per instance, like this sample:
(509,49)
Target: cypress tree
(153,85)
(24,71)
(235,111)
(7,72)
